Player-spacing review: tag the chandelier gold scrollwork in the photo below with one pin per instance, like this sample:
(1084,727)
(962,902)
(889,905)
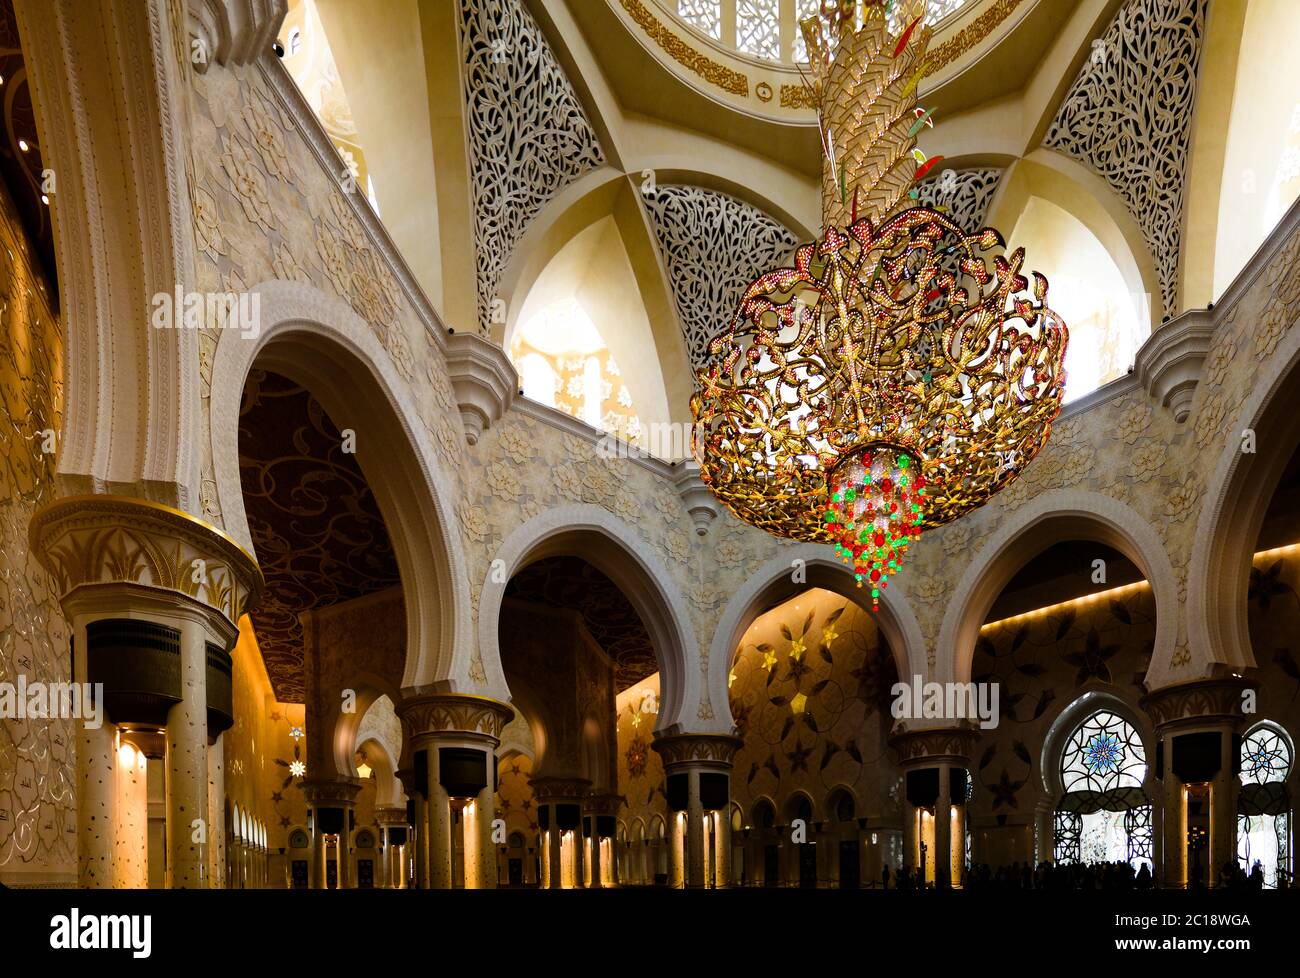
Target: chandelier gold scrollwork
(902,370)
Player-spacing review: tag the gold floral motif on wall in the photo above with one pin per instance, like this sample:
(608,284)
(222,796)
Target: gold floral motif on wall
(810,693)
(37,815)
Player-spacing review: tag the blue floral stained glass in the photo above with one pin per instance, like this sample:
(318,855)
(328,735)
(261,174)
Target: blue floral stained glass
(1265,756)
(1103,753)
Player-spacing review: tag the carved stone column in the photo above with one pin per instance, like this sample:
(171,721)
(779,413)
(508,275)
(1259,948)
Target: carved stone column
(603,811)
(393,823)
(454,738)
(414,820)
(330,803)
(560,802)
(697,768)
(153,597)
(934,766)
(1196,726)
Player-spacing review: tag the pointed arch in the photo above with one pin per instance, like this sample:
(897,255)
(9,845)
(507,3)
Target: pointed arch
(613,548)
(814,565)
(1054,517)
(1237,497)
(319,342)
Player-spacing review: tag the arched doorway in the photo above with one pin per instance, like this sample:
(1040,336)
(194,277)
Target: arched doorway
(802,863)
(1264,805)
(1051,634)
(321,346)
(767,843)
(362,459)
(809,688)
(844,837)
(1103,816)
(572,646)
(590,637)
(324,549)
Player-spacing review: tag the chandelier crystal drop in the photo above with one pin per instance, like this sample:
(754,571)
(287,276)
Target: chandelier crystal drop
(876,510)
(901,370)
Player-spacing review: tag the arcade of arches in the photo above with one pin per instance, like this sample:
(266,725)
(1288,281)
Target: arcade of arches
(345,365)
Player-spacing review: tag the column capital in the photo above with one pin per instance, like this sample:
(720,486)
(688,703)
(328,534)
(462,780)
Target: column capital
(547,789)
(697,750)
(606,804)
(98,540)
(390,816)
(922,748)
(335,793)
(407,777)
(426,714)
(1205,702)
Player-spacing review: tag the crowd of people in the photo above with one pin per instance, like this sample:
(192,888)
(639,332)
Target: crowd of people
(1061,876)
(1116,876)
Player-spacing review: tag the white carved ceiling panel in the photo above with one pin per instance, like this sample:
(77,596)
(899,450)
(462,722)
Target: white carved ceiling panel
(963,194)
(1128,116)
(529,136)
(713,245)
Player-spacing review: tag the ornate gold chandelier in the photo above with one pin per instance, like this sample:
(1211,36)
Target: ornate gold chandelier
(889,381)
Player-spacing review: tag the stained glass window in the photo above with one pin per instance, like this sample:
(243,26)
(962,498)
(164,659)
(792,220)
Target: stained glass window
(759,23)
(703,15)
(1137,826)
(1264,806)
(939,9)
(901,14)
(1068,846)
(758,28)
(1265,755)
(1103,814)
(1103,753)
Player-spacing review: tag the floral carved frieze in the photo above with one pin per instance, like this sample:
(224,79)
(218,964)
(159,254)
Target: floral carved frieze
(686,749)
(435,713)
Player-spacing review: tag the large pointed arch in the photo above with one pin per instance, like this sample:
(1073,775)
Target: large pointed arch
(319,342)
(795,570)
(1055,517)
(122,236)
(614,549)
(1237,497)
